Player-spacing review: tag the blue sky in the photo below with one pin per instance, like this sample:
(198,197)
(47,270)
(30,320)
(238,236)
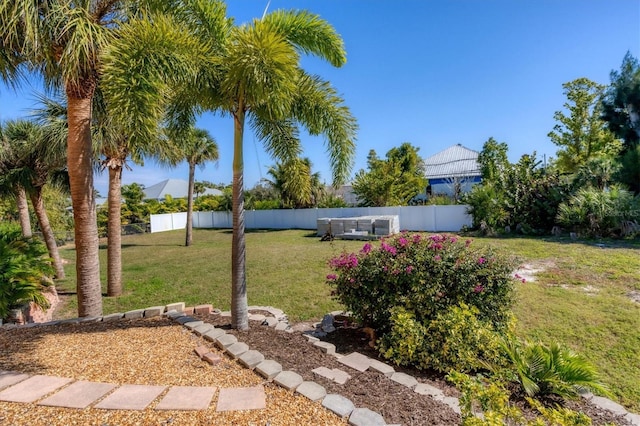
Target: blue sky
(433,73)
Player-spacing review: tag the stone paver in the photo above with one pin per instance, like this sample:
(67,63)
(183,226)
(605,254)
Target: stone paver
(131,397)
(356,360)
(8,378)
(33,388)
(251,359)
(203,309)
(201,351)
(113,317)
(404,379)
(179,306)
(340,377)
(271,321)
(311,390)
(202,329)
(282,326)
(425,389)
(241,399)
(79,394)
(187,398)
(153,311)
(185,319)
(257,317)
(338,404)
(213,334)
(328,348)
(288,380)
(225,340)
(607,404)
(191,325)
(632,418)
(381,367)
(237,349)
(136,313)
(453,403)
(268,369)
(366,417)
(325,372)
(212,358)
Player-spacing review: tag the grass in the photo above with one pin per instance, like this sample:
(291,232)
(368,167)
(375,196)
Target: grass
(580,299)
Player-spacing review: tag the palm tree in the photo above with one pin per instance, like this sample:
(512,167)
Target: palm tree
(16,190)
(298,187)
(251,72)
(196,146)
(38,157)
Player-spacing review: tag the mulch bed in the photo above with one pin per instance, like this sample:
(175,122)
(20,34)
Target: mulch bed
(370,389)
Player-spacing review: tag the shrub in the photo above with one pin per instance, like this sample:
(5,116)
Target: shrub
(491,397)
(550,370)
(424,275)
(24,270)
(456,339)
(594,212)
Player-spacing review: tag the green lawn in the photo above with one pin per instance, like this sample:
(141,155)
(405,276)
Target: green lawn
(581,299)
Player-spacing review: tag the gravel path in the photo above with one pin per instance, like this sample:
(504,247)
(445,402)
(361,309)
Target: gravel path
(149,352)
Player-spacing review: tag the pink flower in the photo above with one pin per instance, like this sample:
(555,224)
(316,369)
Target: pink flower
(437,258)
(402,241)
(454,239)
(366,248)
(524,281)
(517,276)
(478,289)
(417,238)
(332,277)
(389,249)
(467,243)
(409,269)
(481,260)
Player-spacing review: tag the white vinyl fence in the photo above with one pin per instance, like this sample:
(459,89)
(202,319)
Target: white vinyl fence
(412,218)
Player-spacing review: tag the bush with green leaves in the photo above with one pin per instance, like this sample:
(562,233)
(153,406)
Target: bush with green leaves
(455,339)
(601,213)
(425,275)
(543,370)
(25,271)
(491,398)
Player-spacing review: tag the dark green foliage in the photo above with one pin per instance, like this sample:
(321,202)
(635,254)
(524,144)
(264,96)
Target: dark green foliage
(550,370)
(601,213)
(522,196)
(25,271)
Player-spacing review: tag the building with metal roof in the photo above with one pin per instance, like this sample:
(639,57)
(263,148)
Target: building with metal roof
(176,188)
(453,171)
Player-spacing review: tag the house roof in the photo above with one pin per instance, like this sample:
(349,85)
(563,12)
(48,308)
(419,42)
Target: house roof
(176,188)
(455,161)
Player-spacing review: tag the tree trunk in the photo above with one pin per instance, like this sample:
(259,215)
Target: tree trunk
(47,232)
(114,233)
(23,211)
(239,311)
(192,174)
(79,162)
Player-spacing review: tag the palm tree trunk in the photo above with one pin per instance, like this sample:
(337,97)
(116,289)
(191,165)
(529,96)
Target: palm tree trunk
(239,306)
(192,174)
(23,211)
(79,159)
(47,232)
(114,233)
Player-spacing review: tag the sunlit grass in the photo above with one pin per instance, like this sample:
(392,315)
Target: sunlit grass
(580,299)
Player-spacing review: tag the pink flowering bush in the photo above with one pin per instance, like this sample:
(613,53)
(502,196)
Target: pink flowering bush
(425,275)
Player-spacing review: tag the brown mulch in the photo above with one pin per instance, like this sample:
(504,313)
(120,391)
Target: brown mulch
(371,389)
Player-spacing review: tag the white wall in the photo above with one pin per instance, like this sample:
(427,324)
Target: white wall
(412,218)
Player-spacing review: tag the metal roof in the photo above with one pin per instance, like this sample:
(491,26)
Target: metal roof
(455,161)
(176,188)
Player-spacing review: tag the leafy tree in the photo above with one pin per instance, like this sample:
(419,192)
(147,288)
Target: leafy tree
(391,182)
(581,135)
(493,160)
(16,190)
(621,102)
(251,72)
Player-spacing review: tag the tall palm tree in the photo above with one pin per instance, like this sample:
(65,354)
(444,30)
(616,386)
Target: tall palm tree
(253,74)
(14,190)
(38,157)
(298,187)
(196,146)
